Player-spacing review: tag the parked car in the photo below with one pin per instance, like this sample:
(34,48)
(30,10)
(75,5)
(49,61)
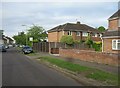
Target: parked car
(10,45)
(27,49)
(6,46)
(2,48)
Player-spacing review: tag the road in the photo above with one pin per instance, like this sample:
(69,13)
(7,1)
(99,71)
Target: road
(18,70)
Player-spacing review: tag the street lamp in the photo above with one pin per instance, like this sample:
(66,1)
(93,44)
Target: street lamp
(26,33)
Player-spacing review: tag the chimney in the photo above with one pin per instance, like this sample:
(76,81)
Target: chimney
(78,22)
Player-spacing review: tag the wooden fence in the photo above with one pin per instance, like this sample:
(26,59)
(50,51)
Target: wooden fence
(53,47)
(41,47)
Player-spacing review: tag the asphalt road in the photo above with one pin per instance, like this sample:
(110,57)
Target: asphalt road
(18,70)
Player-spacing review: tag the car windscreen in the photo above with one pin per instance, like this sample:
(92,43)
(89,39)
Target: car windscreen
(26,48)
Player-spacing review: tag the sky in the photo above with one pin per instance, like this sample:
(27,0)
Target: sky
(52,13)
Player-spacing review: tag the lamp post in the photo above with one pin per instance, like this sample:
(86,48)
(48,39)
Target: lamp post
(26,33)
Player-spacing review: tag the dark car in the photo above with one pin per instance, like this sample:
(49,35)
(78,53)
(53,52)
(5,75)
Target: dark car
(2,48)
(27,49)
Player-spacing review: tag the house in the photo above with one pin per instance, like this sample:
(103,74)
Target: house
(5,39)
(9,40)
(111,38)
(77,30)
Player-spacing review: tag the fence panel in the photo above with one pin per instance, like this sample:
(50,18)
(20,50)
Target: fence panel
(45,46)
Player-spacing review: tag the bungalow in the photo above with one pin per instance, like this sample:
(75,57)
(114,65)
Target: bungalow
(111,38)
(77,30)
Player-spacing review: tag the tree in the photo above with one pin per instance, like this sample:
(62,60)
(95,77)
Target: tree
(37,32)
(67,39)
(20,38)
(101,29)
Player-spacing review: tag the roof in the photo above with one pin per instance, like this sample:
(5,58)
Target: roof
(111,33)
(115,15)
(9,38)
(74,27)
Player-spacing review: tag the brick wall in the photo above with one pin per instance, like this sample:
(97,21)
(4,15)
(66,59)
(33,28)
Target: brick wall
(53,37)
(90,56)
(60,35)
(113,24)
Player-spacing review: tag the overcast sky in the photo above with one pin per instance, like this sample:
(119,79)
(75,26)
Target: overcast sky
(51,14)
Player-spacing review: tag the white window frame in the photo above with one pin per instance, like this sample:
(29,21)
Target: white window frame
(85,34)
(78,33)
(116,41)
(69,32)
(100,35)
(96,35)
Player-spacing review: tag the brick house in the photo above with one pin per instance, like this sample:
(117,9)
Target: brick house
(111,38)
(77,30)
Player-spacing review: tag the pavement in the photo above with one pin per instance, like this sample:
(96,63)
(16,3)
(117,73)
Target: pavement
(107,68)
(18,70)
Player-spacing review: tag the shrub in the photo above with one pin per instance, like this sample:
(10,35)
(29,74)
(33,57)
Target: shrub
(76,41)
(97,46)
(82,41)
(67,39)
(35,41)
(89,42)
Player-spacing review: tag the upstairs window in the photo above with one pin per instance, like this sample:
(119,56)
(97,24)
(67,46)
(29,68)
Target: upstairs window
(116,44)
(69,32)
(78,33)
(84,34)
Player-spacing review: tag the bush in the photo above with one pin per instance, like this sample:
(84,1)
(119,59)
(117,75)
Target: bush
(35,41)
(89,42)
(97,46)
(76,41)
(67,39)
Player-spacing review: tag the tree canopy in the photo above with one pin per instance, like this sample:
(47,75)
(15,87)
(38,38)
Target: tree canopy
(101,29)
(37,32)
(20,38)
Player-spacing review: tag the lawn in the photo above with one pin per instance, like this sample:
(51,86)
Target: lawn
(88,72)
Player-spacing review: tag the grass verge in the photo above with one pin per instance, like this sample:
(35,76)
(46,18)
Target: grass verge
(32,54)
(92,73)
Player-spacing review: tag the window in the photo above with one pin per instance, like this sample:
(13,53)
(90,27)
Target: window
(84,34)
(78,33)
(69,32)
(116,44)
(96,35)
